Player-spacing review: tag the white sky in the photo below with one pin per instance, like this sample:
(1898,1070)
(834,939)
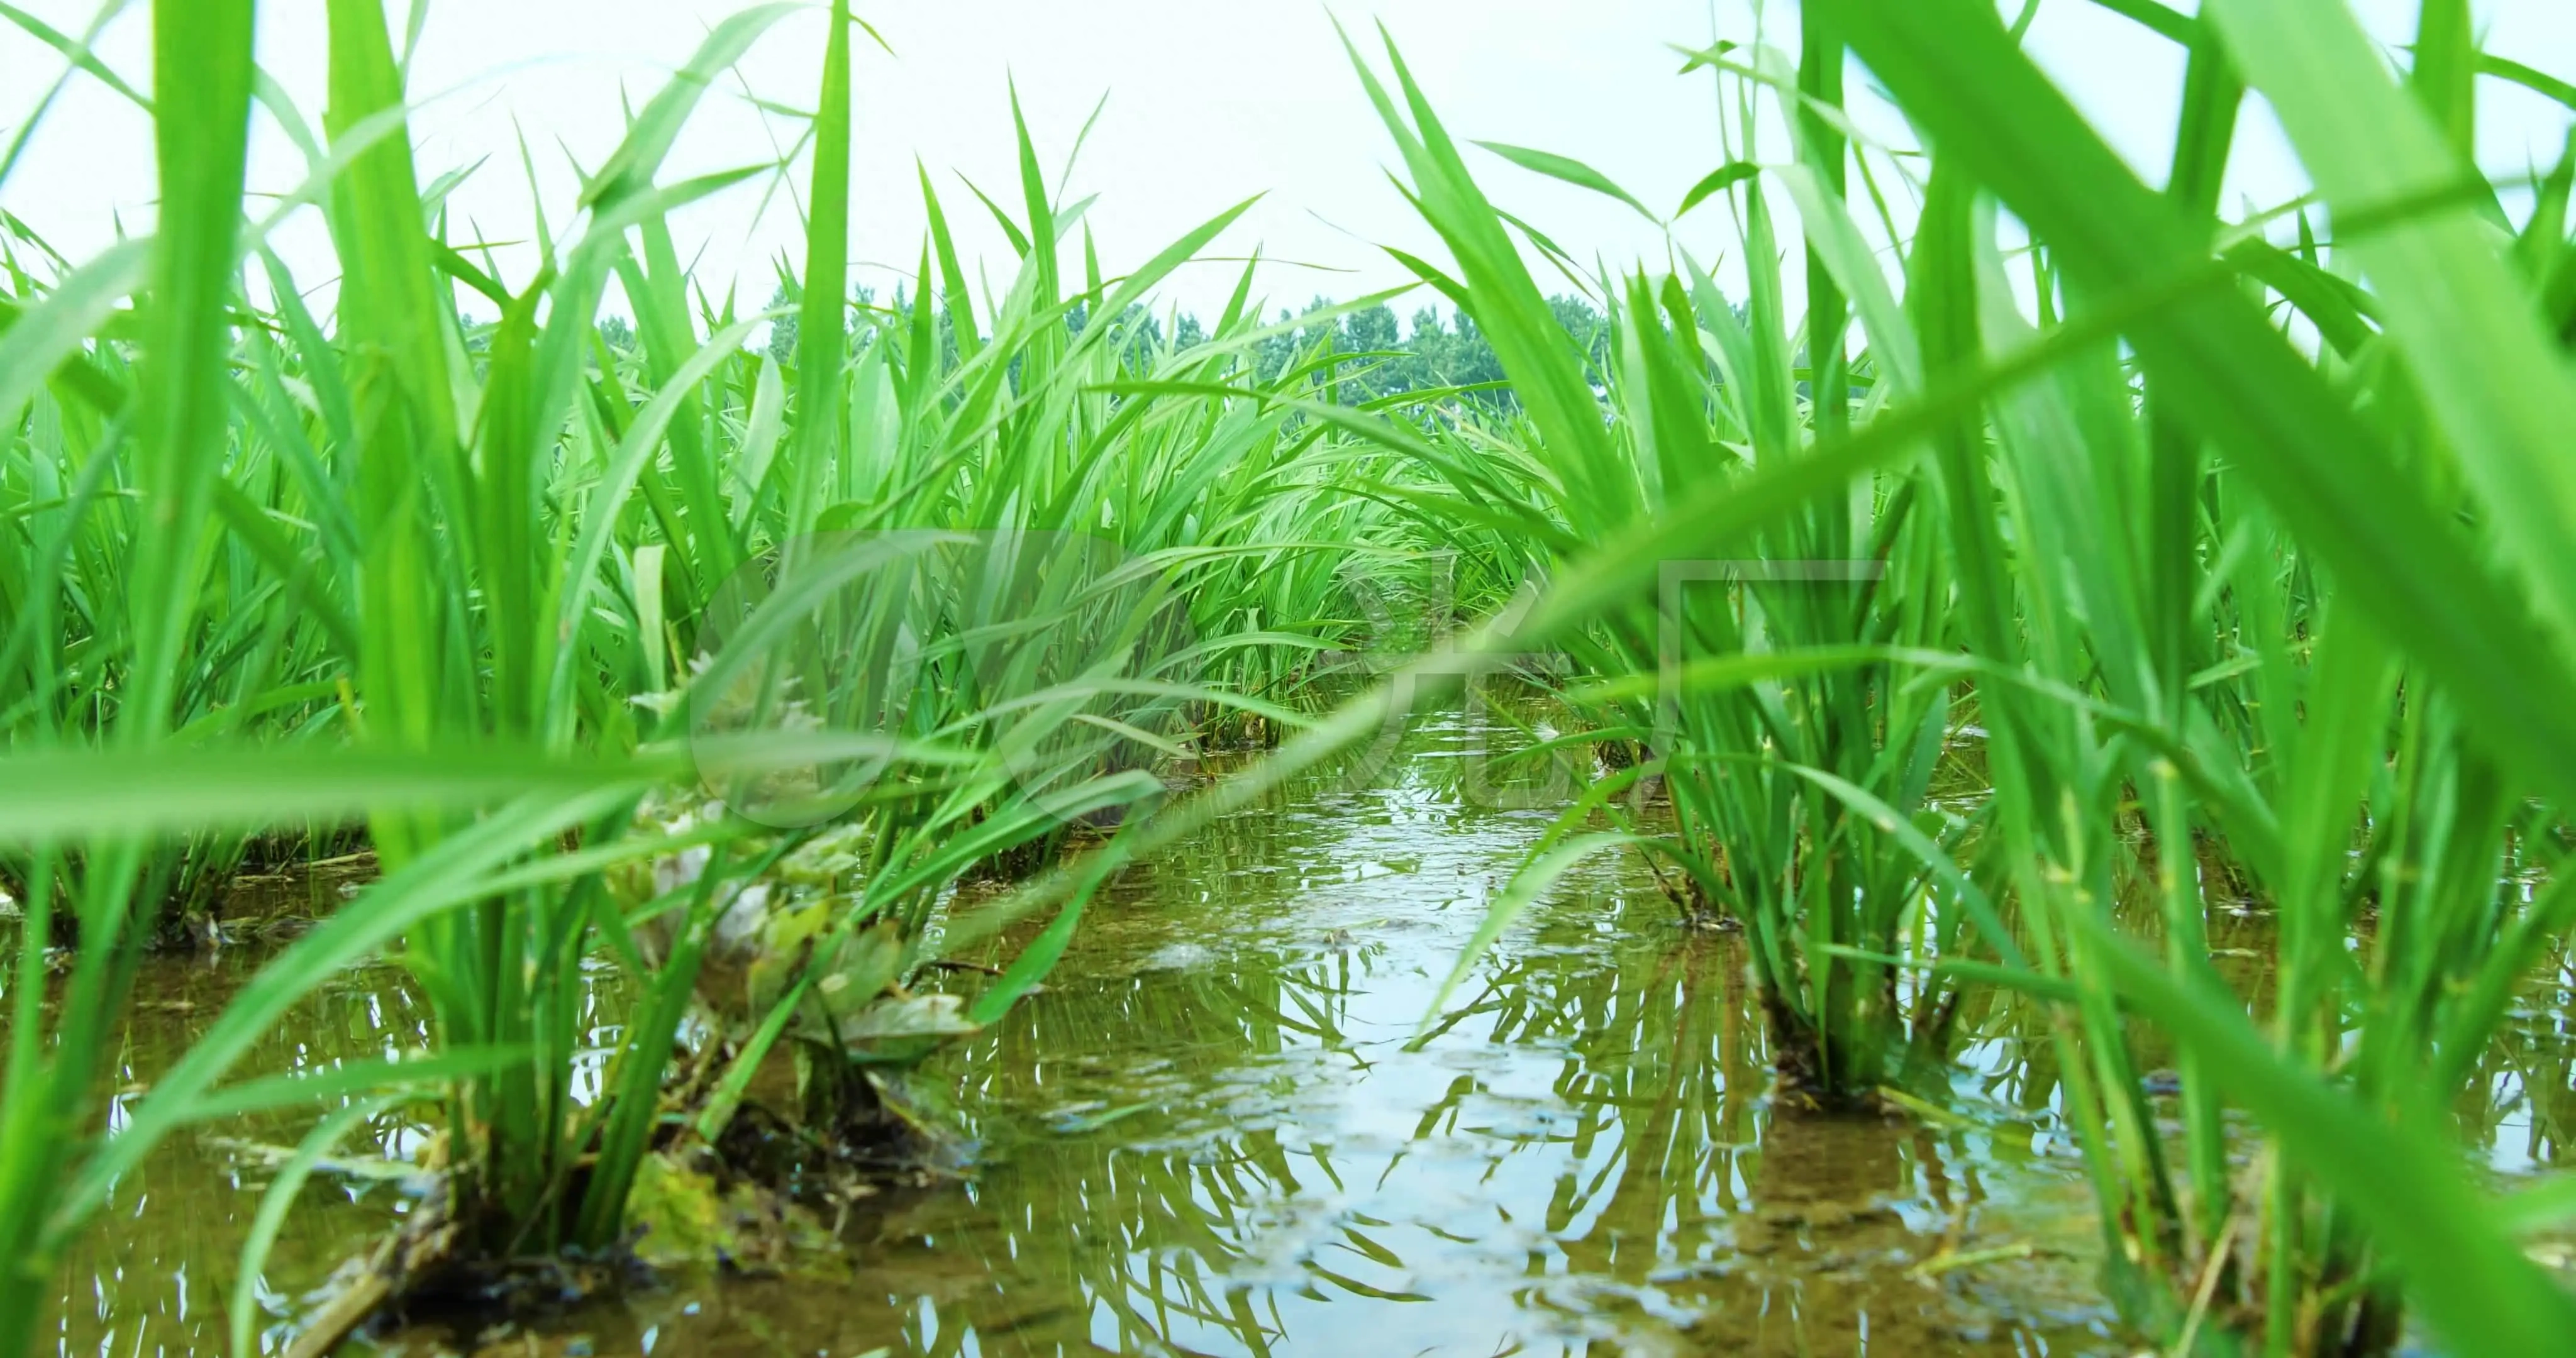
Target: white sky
(1209,102)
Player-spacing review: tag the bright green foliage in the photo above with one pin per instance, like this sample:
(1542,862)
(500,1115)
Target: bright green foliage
(1798,758)
(2005,605)
(470,582)
(2236,610)
(2279,739)
(202,79)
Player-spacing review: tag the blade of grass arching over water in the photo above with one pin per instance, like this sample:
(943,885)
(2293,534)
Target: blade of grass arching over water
(351,1079)
(52,796)
(2330,476)
(1716,519)
(1533,880)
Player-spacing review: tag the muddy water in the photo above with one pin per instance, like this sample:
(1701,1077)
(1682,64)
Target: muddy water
(1224,1129)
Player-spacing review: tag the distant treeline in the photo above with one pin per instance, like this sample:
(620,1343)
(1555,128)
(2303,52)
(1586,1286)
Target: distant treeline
(1432,353)
(1429,354)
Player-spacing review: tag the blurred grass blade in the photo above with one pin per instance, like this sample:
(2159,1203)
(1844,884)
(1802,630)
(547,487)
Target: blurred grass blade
(2330,477)
(40,339)
(52,796)
(1570,171)
(2497,386)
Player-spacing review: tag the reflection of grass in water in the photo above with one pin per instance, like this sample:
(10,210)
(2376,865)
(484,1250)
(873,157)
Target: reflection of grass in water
(1677,1195)
(1259,1181)
(143,1275)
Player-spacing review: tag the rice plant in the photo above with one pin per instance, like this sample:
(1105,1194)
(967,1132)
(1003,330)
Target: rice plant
(2292,654)
(2244,689)
(452,557)
(1769,705)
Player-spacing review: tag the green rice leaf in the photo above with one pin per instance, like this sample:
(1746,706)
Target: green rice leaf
(1570,171)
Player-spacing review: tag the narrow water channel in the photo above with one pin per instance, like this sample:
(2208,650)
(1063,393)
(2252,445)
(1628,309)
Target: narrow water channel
(1223,1128)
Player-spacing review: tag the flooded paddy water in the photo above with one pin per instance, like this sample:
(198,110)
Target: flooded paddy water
(1223,1128)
